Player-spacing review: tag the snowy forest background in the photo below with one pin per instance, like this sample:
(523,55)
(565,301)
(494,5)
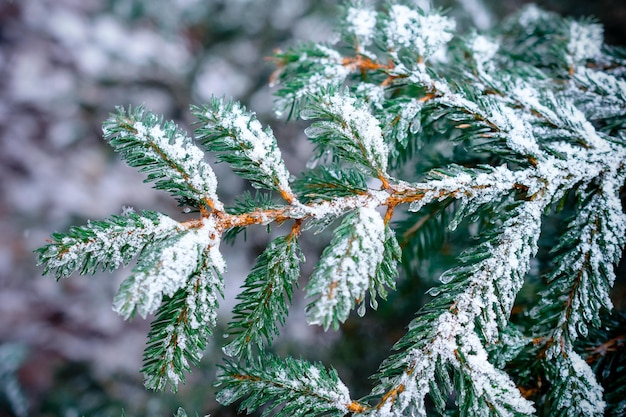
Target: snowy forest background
(64,65)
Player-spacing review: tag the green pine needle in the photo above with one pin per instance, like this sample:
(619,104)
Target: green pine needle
(288,387)
(181,330)
(171,159)
(263,303)
(104,245)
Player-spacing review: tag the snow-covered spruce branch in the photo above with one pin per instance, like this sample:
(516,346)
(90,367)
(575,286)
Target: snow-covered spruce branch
(407,117)
(303,388)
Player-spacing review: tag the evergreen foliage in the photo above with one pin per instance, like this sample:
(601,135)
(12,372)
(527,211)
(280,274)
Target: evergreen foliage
(493,134)
(262,302)
(304,388)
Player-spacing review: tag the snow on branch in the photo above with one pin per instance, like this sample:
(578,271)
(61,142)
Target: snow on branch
(576,390)
(267,290)
(360,23)
(304,388)
(593,242)
(179,335)
(105,244)
(474,298)
(239,139)
(161,149)
(500,132)
(419,33)
(349,129)
(165,268)
(348,268)
(585,42)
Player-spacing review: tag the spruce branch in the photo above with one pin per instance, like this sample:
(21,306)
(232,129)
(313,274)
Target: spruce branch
(179,334)
(586,253)
(348,129)
(267,290)
(164,151)
(326,183)
(165,267)
(447,329)
(486,131)
(301,388)
(304,71)
(238,138)
(605,351)
(105,244)
(575,389)
(350,266)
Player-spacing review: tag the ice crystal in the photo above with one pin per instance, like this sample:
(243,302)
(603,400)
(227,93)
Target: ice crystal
(346,268)
(164,271)
(411,29)
(585,42)
(361,23)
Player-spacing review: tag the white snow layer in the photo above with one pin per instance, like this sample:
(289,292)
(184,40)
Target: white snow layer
(359,125)
(258,145)
(332,73)
(585,42)
(424,34)
(361,22)
(168,270)
(584,396)
(346,268)
(110,243)
(191,168)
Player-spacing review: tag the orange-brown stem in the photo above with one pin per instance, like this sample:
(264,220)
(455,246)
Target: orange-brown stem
(611,345)
(356,407)
(391,395)
(396,196)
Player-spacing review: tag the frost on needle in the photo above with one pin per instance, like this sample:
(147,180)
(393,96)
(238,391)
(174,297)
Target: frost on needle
(495,147)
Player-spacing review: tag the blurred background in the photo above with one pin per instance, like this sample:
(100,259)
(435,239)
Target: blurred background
(64,65)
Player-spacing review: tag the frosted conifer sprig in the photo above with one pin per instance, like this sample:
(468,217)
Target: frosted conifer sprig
(105,244)
(594,234)
(267,290)
(239,139)
(348,268)
(178,337)
(304,71)
(348,129)
(483,134)
(446,331)
(566,311)
(327,183)
(161,149)
(414,32)
(165,268)
(302,388)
